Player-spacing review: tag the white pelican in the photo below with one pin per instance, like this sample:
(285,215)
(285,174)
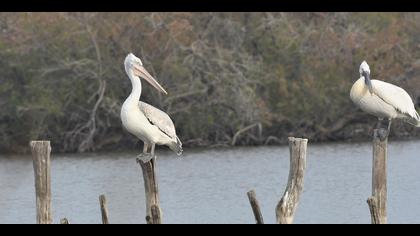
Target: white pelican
(383,100)
(144,121)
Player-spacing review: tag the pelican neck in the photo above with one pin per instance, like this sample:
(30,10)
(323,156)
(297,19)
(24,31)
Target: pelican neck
(136,89)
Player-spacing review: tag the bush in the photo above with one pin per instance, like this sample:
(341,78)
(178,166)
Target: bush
(232,78)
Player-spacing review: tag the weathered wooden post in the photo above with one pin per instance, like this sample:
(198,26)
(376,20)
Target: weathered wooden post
(377,202)
(42,166)
(104,209)
(156,217)
(286,207)
(151,190)
(255,207)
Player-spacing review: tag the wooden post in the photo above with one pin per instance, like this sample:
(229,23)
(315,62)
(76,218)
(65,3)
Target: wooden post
(64,221)
(156,219)
(377,202)
(255,207)
(373,208)
(151,190)
(42,166)
(286,207)
(104,209)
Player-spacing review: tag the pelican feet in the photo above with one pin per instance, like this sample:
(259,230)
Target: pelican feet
(383,134)
(144,157)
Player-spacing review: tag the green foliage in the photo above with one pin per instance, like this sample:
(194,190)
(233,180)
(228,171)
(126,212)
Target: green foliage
(261,76)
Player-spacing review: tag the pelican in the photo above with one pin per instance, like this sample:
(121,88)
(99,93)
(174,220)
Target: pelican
(383,100)
(144,121)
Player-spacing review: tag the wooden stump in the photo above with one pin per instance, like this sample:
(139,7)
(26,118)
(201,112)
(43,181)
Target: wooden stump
(151,190)
(42,167)
(286,208)
(104,209)
(377,202)
(255,207)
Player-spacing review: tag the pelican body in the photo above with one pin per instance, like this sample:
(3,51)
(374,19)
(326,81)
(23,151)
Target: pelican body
(144,121)
(383,100)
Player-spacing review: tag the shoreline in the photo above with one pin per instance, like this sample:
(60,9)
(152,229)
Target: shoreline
(215,147)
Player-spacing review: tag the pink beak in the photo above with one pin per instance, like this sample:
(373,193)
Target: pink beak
(142,72)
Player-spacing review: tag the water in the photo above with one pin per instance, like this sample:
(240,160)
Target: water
(209,186)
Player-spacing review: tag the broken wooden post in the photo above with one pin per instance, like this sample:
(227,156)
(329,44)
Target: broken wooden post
(286,207)
(377,202)
(104,209)
(42,167)
(151,190)
(255,207)
(64,221)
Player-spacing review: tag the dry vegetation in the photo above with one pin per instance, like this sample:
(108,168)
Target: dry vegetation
(232,78)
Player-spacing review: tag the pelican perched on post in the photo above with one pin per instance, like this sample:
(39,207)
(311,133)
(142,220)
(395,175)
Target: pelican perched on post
(383,100)
(144,121)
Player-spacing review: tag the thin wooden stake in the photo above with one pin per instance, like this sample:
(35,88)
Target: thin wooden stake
(151,190)
(286,207)
(255,207)
(377,202)
(42,167)
(104,209)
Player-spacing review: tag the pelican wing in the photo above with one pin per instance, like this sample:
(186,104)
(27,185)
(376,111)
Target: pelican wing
(396,97)
(158,118)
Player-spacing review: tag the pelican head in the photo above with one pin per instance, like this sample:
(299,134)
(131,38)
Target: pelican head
(134,68)
(364,71)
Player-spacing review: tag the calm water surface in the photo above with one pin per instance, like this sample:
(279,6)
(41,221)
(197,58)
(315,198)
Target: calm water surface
(209,186)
